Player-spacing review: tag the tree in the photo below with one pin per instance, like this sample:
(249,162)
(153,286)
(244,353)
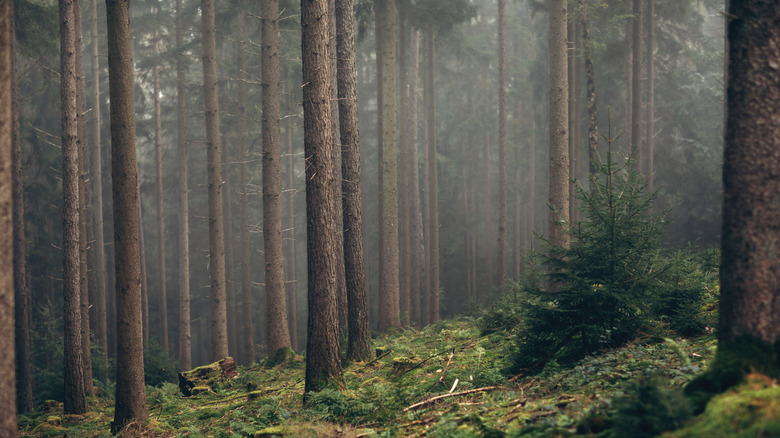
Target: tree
(8,380)
(75,397)
(130,396)
(389,310)
(322,351)
(590,90)
(248,347)
(415,213)
(359,336)
(501,249)
(185,329)
(23,339)
(559,130)
(158,160)
(751,182)
(636,85)
(276,305)
(219,341)
(650,129)
(432,251)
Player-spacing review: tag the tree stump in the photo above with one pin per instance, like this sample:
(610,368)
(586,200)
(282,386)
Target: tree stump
(203,379)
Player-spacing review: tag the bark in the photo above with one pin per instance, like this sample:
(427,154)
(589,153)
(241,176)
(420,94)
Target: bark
(185,328)
(292,273)
(590,84)
(83,180)
(433,194)
(559,130)
(130,396)
(389,310)
(245,259)
(230,271)
(142,258)
(751,181)
(219,341)
(572,117)
(403,168)
(636,86)
(501,247)
(322,351)
(21,312)
(98,317)
(359,335)
(276,305)
(75,396)
(8,399)
(649,127)
(415,213)
(163,295)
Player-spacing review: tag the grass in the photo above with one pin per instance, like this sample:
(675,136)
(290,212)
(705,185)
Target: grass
(443,381)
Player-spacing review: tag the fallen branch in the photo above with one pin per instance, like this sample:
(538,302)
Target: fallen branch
(443,396)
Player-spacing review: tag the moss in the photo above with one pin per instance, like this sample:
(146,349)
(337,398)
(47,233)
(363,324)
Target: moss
(748,410)
(282,356)
(733,361)
(51,427)
(286,431)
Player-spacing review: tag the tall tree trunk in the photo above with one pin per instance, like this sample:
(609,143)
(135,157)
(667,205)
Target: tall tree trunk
(359,335)
(219,341)
(636,86)
(23,334)
(276,304)
(292,273)
(650,129)
(323,367)
(572,117)
(83,210)
(590,83)
(501,247)
(98,317)
(142,257)
(559,126)
(415,213)
(389,312)
(433,195)
(751,186)
(230,270)
(8,381)
(75,397)
(130,396)
(403,168)
(245,260)
(163,296)
(185,329)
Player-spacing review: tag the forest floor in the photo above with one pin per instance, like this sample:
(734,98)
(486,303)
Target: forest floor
(443,381)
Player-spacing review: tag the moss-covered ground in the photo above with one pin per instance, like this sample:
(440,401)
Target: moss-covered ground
(443,381)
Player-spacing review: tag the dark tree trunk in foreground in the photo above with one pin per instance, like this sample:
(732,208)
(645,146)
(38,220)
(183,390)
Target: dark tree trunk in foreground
(24,376)
(501,247)
(7,378)
(276,302)
(359,344)
(75,397)
(323,367)
(750,280)
(185,328)
(130,396)
(559,126)
(219,341)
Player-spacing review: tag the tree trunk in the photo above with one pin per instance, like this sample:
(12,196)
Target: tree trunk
(416,253)
(403,169)
(389,311)
(501,247)
(559,127)
(359,335)
(23,334)
(650,129)
(433,194)
(590,83)
(185,328)
(130,396)
(98,317)
(142,258)
(751,181)
(219,341)
(163,296)
(572,117)
(230,271)
(245,260)
(322,351)
(276,305)
(75,397)
(8,397)
(636,87)
(292,273)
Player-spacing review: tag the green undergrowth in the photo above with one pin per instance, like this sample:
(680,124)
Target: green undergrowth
(447,381)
